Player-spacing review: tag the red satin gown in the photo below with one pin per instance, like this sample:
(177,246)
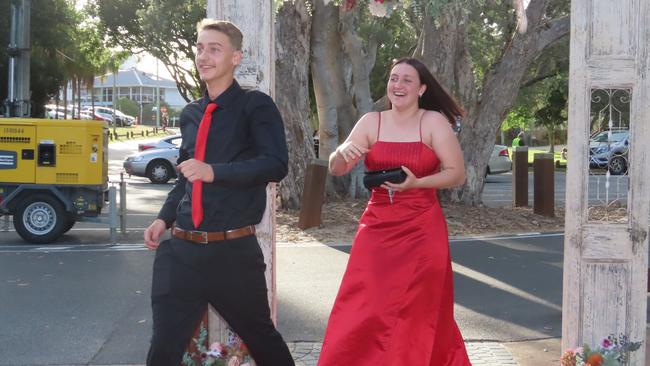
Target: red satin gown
(395,303)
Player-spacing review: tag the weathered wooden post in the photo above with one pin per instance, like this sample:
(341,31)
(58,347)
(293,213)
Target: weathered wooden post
(606,239)
(313,194)
(520,176)
(543,184)
(255,19)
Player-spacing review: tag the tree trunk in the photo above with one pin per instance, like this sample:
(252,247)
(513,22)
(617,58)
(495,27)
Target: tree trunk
(362,61)
(79,97)
(65,100)
(293,27)
(551,139)
(444,49)
(332,100)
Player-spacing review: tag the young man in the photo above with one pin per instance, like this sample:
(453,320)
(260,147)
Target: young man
(233,145)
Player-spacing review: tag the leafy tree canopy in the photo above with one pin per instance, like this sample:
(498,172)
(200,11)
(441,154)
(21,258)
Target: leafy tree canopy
(165,29)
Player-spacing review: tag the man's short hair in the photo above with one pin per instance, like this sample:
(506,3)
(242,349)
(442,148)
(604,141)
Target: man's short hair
(229,29)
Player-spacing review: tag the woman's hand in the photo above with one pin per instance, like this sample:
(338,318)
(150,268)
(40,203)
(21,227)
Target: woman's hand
(350,151)
(411,181)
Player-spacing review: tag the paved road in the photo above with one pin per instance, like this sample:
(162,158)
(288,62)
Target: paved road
(84,301)
(497,191)
(89,304)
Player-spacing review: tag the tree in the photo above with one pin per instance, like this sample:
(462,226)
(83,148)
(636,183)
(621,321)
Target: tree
(127,106)
(472,47)
(52,23)
(503,61)
(165,29)
(554,113)
(292,49)
(64,47)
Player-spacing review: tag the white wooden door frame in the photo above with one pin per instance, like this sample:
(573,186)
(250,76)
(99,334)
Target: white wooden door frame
(605,263)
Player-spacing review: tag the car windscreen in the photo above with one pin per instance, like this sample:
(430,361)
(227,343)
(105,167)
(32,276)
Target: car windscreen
(616,136)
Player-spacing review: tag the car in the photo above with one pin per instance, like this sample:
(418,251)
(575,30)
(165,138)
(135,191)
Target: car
(159,165)
(610,150)
(499,161)
(164,143)
(105,113)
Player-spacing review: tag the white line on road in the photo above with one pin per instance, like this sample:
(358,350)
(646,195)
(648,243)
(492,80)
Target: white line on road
(105,247)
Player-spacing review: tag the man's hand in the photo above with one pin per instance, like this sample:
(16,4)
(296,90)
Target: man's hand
(153,233)
(194,169)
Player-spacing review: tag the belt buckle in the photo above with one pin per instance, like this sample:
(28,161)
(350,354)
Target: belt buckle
(200,234)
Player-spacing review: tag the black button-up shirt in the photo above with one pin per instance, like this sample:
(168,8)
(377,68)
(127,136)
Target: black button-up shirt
(246,148)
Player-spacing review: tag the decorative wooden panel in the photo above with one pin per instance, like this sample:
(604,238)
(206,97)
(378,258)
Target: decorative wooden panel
(607,211)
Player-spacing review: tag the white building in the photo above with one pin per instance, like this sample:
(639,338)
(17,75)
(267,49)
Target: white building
(136,85)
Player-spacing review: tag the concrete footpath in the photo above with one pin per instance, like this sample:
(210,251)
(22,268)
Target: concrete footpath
(480,353)
(544,352)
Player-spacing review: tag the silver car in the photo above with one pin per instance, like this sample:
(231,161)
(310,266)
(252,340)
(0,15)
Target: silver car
(164,143)
(159,165)
(499,161)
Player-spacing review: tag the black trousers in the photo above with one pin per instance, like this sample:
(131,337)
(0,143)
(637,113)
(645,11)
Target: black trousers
(230,276)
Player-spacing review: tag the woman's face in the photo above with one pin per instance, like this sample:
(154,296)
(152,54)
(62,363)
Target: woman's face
(404,87)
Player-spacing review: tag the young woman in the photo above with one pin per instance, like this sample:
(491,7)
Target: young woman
(395,304)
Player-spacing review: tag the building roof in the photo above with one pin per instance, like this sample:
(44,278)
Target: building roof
(133,77)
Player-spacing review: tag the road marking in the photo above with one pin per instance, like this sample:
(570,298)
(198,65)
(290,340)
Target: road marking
(125,247)
(468,239)
(27,248)
(48,249)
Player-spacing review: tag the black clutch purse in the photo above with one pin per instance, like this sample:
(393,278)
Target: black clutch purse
(375,178)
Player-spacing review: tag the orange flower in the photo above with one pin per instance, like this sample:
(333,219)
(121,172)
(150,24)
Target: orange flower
(595,359)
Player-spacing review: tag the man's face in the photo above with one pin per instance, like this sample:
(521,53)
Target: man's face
(216,58)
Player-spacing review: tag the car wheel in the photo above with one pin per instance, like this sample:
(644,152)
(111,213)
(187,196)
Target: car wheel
(69,224)
(159,171)
(617,165)
(487,171)
(40,218)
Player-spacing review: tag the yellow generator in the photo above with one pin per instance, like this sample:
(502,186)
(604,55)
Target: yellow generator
(52,174)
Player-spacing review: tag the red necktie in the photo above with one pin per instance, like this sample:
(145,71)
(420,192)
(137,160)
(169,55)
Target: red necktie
(199,154)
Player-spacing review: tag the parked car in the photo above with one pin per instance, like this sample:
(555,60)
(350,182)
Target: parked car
(121,119)
(159,165)
(610,150)
(499,161)
(164,143)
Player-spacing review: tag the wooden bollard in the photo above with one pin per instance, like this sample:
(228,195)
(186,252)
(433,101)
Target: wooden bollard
(520,176)
(313,194)
(544,181)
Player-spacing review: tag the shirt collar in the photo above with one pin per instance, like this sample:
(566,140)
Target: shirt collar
(224,99)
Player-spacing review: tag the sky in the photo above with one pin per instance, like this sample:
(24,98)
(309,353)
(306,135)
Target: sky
(146,63)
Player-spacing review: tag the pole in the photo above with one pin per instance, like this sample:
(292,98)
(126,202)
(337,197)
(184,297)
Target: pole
(115,72)
(157,96)
(18,92)
(112,213)
(122,204)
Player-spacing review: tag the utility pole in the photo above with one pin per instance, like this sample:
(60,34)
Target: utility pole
(157,96)
(17,102)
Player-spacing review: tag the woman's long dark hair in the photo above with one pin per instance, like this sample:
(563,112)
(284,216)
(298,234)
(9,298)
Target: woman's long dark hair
(435,97)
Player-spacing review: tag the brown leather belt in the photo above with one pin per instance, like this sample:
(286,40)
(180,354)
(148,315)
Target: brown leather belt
(205,237)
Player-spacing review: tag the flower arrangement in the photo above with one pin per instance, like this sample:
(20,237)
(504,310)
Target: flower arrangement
(231,353)
(612,351)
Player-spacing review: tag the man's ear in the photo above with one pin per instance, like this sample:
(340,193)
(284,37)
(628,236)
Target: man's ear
(237,57)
